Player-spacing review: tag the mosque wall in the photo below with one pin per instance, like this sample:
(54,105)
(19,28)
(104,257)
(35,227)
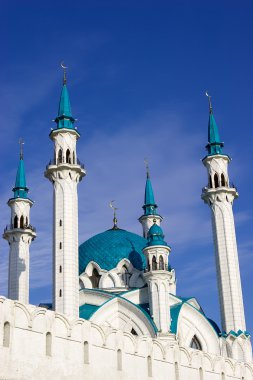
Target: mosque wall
(36,343)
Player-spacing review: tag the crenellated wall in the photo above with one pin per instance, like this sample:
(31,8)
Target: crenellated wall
(36,343)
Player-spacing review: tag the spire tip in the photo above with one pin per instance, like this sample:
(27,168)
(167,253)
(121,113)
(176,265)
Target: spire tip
(21,153)
(64,72)
(210,103)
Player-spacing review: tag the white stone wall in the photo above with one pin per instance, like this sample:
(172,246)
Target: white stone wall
(78,349)
(65,176)
(220,200)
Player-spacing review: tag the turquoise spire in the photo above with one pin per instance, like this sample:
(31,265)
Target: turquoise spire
(20,190)
(214,145)
(64,118)
(149,206)
(156,235)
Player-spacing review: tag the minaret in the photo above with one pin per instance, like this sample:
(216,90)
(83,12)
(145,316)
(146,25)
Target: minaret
(158,277)
(149,207)
(65,172)
(219,194)
(19,235)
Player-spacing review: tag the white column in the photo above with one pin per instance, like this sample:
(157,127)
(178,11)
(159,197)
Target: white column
(220,196)
(159,282)
(19,235)
(65,174)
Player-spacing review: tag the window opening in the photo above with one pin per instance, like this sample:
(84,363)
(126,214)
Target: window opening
(6,337)
(154,263)
(195,343)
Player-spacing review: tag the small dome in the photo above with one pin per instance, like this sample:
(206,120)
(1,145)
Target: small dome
(108,248)
(156,235)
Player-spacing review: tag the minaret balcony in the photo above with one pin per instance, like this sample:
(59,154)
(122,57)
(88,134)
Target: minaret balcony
(54,162)
(11,228)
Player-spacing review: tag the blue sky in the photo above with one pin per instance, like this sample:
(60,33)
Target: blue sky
(137,76)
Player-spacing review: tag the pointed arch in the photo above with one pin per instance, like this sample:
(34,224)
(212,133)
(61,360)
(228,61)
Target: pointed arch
(59,160)
(26,222)
(15,221)
(195,343)
(68,156)
(216,180)
(125,275)
(6,335)
(74,158)
(154,263)
(22,222)
(223,181)
(95,278)
(161,263)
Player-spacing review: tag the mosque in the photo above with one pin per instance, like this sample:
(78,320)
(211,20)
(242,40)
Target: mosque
(115,312)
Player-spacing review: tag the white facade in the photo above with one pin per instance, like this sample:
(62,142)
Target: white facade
(120,317)
(219,195)
(19,235)
(39,344)
(65,173)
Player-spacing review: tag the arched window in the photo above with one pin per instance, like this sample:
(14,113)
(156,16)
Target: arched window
(68,157)
(176,371)
(223,376)
(60,293)
(119,360)
(161,263)
(210,182)
(60,156)
(26,222)
(154,263)
(223,182)
(86,353)
(48,344)
(60,269)
(125,275)
(60,245)
(60,223)
(22,222)
(74,158)
(195,343)
(6,336)
(95,277)
(201,374)
(149,363)
(15,221)
(133,332)
(216,180)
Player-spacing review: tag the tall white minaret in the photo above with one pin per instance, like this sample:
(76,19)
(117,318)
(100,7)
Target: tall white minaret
(219,194)
(65,172)
(19,235)
(149,207)
(158,277)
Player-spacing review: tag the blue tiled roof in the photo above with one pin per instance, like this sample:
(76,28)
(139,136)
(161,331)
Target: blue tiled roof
(87,310)
(108,248)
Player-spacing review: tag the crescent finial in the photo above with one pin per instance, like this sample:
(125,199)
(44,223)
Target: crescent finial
(64,72)
(210,103)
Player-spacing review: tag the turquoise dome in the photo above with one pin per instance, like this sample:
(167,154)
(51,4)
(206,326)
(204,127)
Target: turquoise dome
(156,235)
(108,248)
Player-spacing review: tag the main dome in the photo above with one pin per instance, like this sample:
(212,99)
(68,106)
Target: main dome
(108,248)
